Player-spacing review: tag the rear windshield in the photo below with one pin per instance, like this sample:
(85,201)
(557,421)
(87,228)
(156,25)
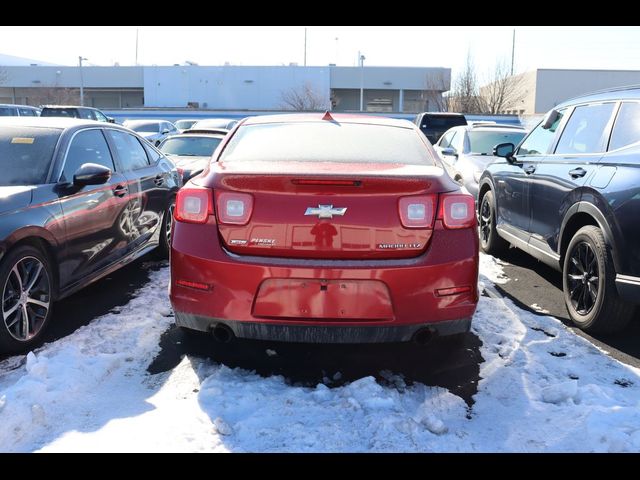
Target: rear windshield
(184,124)
(25,154)
(443,121)
(483,142)
(144,126)
(214,123)
(327,142)
(59,112)
(190,146)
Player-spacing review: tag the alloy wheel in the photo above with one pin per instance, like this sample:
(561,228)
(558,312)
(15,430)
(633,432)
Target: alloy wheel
(169,223)
(485,220)
(26,298)
(583,277)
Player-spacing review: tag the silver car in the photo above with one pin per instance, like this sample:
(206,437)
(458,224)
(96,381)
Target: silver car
(152,130)
(466,150)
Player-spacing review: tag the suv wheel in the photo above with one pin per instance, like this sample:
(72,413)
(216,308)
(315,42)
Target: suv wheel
(26,286)
(490,241)
(588,282)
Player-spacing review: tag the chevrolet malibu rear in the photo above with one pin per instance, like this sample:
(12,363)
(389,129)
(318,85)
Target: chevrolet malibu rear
(324,229)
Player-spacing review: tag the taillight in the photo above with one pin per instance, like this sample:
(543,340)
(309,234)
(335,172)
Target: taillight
(193,204)
(457,210)
(418,211)
(234,208)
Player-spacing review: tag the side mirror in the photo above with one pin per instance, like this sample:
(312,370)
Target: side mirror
(505,150)
(91,174)
(111,120)
(449,151)
(164,132)
(550,118)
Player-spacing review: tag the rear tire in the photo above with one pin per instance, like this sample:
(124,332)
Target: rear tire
(490,241)
(26,298)
(588,282)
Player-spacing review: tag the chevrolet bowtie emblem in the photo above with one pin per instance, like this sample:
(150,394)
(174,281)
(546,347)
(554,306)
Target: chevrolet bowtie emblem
(326,211)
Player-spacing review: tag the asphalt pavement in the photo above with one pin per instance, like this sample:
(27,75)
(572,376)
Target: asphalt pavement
(538,288)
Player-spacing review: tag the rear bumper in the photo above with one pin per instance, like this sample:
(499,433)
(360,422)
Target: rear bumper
(322,334)
(210,285)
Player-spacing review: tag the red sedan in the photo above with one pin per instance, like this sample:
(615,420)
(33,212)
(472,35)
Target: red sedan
(324,228)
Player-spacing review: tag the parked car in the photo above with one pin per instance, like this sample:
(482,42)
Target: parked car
(78,200)
(467,150)
(191,153)
(155,131)
(209,123)
(88,113)
(569,195)
(185,124)
(324,228)
(434,124)
(11,110)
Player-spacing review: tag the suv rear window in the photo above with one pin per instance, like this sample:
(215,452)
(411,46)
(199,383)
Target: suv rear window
(25,154)
(59,112)
(327,142)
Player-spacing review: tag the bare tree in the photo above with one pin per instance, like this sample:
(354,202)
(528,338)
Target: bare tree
(55,96)
(304,98)
(432,96)
(4,76)
(464,95)
(502,89)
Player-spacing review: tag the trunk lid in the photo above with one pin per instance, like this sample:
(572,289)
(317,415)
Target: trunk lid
(325,210)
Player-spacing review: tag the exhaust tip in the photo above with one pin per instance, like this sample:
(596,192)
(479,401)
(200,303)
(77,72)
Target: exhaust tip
(422,336)
(222,333)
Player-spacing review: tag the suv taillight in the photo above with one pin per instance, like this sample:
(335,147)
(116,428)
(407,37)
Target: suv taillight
(194,204)
(457,210)
(234,208)
(417,211)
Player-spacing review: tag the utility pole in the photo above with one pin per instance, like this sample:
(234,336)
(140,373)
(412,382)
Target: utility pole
(361,58)
(305,46)
(513,49)
(136,47)
(80,59)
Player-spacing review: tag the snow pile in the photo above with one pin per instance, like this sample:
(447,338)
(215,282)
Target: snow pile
(543,389)
(79,381)
(267,415)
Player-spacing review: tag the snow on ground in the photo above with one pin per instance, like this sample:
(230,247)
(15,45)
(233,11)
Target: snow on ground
(542,389)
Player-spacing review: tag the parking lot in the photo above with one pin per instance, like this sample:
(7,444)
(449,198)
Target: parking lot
(321,257)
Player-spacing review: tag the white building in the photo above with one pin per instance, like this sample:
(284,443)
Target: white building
(384,89)
(544,88)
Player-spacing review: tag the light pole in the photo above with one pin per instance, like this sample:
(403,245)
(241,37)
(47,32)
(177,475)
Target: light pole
(362,59)
(80,59)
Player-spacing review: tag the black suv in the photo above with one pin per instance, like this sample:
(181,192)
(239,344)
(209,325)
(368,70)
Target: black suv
(88,113)
(434,124)
(569,195)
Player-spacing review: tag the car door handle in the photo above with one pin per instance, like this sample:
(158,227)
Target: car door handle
(159,180)
(530,169)
(577,172)
(120,190)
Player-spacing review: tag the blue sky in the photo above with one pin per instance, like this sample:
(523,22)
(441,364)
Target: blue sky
(535,47)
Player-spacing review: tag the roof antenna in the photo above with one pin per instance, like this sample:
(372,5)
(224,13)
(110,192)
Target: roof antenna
(327,116)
